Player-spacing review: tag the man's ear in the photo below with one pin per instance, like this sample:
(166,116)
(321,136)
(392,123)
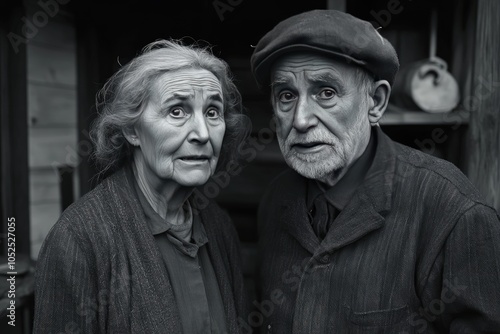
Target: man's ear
(130,134)
(380,97)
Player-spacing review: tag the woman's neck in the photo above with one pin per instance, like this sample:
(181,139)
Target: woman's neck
(166,197)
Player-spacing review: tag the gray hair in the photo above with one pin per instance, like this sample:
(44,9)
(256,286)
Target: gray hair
(123,97)
(365,80)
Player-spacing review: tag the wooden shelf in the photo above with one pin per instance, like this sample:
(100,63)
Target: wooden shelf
(393,117)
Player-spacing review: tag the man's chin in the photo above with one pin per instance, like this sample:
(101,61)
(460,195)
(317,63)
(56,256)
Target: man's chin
(317,170)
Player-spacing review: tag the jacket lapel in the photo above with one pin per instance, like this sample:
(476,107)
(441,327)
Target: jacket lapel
(293,215)
(153,286)
(370,203)
(295,221)
(220,264)
(356,220)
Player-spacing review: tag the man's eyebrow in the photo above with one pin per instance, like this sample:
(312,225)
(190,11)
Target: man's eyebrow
(326,77)
(279,80)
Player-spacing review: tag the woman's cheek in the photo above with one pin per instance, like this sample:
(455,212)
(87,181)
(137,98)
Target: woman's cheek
(219,138)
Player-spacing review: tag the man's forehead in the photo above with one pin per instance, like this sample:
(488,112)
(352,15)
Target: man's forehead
(308,66)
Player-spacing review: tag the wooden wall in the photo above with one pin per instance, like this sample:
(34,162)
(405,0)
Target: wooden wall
(52,134)
(14,146)
(484,134)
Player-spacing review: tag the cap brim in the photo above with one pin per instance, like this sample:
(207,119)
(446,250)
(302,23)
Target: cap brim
(263,68)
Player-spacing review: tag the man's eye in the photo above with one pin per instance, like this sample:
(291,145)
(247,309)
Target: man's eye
(286,97)
(326,94)
(213,113)
(177,113)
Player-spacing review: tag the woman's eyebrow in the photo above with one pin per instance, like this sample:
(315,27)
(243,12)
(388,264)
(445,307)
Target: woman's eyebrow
(184,97)
(177,96)
(215,97)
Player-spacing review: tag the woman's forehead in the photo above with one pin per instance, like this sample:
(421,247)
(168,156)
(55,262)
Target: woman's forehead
(186,82)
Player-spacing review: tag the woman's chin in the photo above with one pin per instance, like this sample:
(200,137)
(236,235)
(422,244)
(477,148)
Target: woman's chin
(193,179)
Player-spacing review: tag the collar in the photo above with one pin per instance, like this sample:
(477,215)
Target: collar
(340,194)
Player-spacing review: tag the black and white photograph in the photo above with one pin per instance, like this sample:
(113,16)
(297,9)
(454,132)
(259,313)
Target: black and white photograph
(250,167)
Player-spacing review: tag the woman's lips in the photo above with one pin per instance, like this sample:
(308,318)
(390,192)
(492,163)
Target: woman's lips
(195,159)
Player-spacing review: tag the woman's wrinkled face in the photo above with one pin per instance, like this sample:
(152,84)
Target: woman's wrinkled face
(180,131)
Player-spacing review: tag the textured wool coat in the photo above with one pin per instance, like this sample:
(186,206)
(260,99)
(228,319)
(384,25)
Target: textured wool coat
(416,250)
(100,271)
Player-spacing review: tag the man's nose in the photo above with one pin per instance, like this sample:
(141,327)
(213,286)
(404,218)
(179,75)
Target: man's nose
(304,117)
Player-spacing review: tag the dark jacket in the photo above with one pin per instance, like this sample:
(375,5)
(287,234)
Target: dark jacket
(100,271)
(416,250)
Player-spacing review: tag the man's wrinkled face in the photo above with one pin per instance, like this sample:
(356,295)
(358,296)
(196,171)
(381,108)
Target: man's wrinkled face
(321,113)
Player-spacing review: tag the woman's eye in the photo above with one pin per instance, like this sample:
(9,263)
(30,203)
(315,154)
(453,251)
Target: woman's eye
(286,97)
(326,94)
(213,113)
(177,113)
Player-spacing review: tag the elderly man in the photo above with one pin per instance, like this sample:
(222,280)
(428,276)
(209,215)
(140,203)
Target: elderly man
(362,234)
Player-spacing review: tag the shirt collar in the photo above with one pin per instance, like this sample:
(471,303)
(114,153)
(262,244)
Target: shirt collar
(340,194)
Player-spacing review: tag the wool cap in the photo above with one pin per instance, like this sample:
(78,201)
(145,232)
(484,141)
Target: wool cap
(331,33)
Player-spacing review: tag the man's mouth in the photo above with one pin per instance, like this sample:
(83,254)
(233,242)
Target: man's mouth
(308,147)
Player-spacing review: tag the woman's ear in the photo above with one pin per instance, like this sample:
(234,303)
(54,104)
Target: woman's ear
(130,134)
(381,93)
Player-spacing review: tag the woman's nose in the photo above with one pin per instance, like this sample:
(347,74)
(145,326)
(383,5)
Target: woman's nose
(199,129)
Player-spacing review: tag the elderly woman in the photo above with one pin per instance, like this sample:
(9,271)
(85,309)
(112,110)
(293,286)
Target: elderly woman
(136,255)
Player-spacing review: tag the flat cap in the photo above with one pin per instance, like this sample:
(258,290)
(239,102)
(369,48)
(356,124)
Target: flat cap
(332,33)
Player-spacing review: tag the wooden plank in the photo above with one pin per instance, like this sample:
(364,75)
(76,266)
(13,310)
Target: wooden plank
(51,106)
(43,217)
(59,35)
(52,147)
(44,186)
(484,134)
(51,66)
(397,117)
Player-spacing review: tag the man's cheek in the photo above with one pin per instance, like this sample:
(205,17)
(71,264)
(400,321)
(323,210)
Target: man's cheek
(283,126)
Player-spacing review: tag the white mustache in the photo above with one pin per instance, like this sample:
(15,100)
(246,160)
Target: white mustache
(311,137)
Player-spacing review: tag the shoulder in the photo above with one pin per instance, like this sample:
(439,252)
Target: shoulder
(422,169)
(92,204)
(95,214)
